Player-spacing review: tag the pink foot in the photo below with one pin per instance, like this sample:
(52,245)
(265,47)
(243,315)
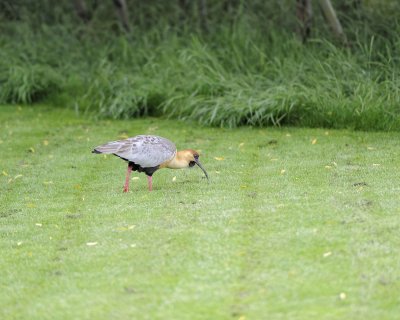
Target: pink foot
(150,182)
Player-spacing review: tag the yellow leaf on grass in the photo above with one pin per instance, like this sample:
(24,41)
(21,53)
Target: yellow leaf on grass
(327,254)
(45,142)
(19,243)
(47,182)
(314,141)
(283,171)
(342,296)
(219,158)
(38,224)
(123,136)
(31,149)
(91,244)
(5,173)
(31,205)
(370,148)
(135,178)
(18,176)
(241,144)
(131,227)
(173,179)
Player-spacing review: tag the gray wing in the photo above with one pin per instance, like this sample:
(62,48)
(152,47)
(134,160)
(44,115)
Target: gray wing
(146,151)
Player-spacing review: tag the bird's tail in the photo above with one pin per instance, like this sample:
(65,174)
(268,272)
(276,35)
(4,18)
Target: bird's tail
(108,148)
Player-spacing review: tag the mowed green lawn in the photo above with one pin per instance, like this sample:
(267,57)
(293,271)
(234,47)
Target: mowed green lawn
(294,224)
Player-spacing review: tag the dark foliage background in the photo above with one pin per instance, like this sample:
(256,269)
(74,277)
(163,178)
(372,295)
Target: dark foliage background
(224,63)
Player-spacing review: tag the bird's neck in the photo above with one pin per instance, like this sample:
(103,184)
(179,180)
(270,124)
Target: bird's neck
(177,162)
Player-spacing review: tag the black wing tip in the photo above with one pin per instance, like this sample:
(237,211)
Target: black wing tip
(95,151)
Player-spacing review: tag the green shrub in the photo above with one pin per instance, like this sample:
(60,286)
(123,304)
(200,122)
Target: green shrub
(28,83)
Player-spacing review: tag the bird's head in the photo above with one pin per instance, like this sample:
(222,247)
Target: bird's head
(191,158)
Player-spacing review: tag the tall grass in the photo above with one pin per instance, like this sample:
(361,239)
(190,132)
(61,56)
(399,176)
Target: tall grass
(235,75)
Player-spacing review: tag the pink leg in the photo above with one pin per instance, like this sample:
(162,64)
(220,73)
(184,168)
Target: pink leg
(128,175)
(150,182)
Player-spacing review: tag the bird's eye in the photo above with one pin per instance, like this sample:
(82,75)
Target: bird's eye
(196,157)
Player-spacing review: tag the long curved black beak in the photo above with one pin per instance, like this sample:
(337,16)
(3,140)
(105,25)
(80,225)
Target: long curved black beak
(202,168)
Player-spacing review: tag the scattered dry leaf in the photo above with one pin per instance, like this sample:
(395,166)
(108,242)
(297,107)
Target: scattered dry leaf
(91,244)
(133,245)
(31,149)
(135,178)
(173,179)
(328,167)
(274,159)
(104,156)
(47,182)
(327,254)
(30,205)
(219,158)
(77,187)
(376,164)
(342,296)
(243,186)
(19,243)
(241,144)
(283,171)
(314,141)
(288,135)
(131,227)
(38,224)
(152,128)
(327,133)
(217,172)
(18,176)
(45,142)
(370,148)
(5,173)
(123,136)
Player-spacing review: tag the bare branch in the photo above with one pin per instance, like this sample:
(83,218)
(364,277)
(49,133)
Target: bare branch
(304,15)
(122,11)
(333,21)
